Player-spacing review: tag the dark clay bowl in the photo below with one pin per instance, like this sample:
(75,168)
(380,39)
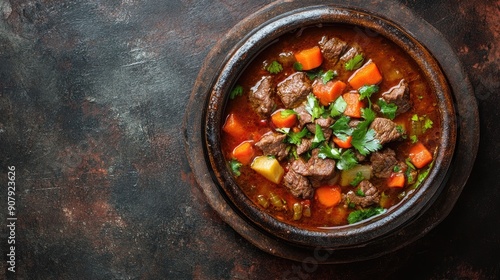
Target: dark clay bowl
(259,227)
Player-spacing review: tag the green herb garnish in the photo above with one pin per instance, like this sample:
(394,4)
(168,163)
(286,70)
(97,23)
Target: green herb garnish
(237,91)
(363,214)
(274,67)
(388,109)
(355,62)
(235,167)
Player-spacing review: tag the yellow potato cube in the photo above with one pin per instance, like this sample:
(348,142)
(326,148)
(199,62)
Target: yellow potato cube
(268,167)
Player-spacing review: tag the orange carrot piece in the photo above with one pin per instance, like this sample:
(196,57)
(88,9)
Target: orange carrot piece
(346,144)
(419,155)
(233,126)
(368,74)
(329,92)
(354,105)
(396,180)
(328,196)
(309,58)
(244,152)
(282,122)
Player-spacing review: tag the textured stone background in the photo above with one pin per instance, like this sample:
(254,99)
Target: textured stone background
(92,97)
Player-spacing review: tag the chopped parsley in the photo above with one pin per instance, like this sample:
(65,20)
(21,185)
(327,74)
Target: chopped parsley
(328,75)
(338,107)
(274,67)
(428,124)
(363,214)
(359,177)
(287,112)
(313,107)
(363,139)
(345,160)
(318,136)
(294,137)
(341,127)
(414,139)
(355,62)
(235,167)
(237,91)
(366,92)
(388,109)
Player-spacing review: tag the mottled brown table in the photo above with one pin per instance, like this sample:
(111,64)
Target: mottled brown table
(92,99)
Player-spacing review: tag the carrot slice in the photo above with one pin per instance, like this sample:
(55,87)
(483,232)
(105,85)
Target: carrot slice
(244,152)
(368,74)
(309,58)
(234,127)
(343,143)
(329,92)
(419,155)
(354,105)
(328,196)
(281,121)
(396,180)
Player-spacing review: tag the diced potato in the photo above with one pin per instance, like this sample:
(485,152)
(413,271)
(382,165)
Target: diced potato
(347,176)
(268,167)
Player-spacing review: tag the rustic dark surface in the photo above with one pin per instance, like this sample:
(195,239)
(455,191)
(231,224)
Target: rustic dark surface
(92,97)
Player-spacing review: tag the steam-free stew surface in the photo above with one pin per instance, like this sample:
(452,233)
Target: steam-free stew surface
(369,175)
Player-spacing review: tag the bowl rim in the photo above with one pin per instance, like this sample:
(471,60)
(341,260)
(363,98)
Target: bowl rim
(343,236)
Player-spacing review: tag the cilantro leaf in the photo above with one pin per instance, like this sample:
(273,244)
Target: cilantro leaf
(347,160)
(341,127)
(318,136)
(338,107)
(366,92)
(313,107)
(326,151)
(237,91)
(354,63)
(314,74)
(363,214)
(235,167)
(296,137)
(274,67)
(328,75)
(364,141)
(388,109)
(414,139)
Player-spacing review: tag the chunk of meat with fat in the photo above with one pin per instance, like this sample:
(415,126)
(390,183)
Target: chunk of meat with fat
(298,185)
(261,97)
(367,195)
(385,130)
(294,89)
(273,143)
(383,163)
(400,96)
(316,167)
(332,48)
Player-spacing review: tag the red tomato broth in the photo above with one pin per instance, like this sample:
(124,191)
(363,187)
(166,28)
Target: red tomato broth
(393,64)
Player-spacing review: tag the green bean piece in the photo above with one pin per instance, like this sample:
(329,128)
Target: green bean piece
(276,200)
(297,211)
(263,201)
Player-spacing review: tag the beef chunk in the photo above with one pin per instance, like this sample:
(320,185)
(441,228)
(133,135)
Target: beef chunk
(272,143)
(385,130)
(294,89)
(304,146)
(260,97)
(369,195)
(350,53)
(303,115)
(399,95)
(297,184)
(383,163)
(332,48)
(316,167)
(324,123)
